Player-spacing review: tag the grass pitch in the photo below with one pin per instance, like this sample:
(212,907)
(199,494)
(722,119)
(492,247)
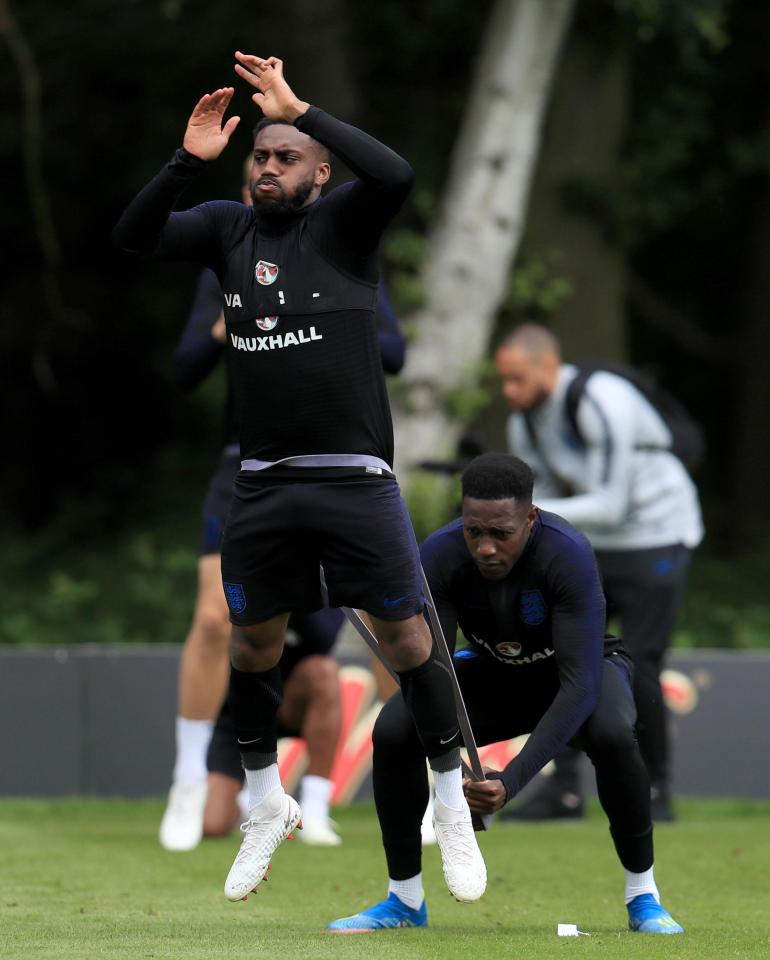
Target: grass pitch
(87,879)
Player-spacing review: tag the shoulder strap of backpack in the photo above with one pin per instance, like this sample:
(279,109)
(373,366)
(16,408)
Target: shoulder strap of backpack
(572,397)
(532,434)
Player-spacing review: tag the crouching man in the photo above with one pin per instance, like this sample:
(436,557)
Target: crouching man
(523,587)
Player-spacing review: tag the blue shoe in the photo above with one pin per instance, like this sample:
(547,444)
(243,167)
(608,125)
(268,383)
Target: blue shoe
(386,915)
(646,915)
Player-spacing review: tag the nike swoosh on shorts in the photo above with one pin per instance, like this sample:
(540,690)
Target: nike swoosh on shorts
(394,603)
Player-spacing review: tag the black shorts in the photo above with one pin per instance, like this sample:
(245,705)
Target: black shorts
(357,526)
(216,506)
(308,634)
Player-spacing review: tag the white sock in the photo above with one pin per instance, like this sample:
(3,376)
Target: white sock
(449,788)
(638,883)
(315,793)
(192,742)
(261,782)
(409,892)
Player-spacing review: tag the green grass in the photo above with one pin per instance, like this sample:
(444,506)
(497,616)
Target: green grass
(86,879)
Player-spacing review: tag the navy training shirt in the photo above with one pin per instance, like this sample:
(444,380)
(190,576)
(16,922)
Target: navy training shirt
(197,352)
(299,296)
(543,623)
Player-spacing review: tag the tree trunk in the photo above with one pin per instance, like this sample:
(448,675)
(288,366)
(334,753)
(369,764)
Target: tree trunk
(480,223)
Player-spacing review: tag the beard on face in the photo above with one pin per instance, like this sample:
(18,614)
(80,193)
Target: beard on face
(280,205)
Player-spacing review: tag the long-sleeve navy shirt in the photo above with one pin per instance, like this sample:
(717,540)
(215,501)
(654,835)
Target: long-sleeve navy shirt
(197,352)
(543,624)
(299,296)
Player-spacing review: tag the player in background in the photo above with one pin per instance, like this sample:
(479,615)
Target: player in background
(205,666)
(523,587)
(299,273)
(623,488)
(310,709)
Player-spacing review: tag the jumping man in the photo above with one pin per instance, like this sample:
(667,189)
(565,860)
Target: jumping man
(299,278)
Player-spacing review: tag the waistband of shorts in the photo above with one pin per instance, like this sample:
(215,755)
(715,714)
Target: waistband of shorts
(369,463)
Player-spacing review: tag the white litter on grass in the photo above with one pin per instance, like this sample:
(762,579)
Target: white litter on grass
(569,930)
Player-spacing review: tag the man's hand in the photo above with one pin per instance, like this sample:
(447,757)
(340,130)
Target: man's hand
(219,330)
(275,98)
(205,137)
(484,796)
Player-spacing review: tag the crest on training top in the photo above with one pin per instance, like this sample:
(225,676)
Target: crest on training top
(266,273)
(532,609)
(266,323)
(509,648)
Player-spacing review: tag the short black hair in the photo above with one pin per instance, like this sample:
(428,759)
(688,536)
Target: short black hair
(323,151)
(498,476)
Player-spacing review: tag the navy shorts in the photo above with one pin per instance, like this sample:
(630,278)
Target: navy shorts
(216,506)
(356,526)
(308,634)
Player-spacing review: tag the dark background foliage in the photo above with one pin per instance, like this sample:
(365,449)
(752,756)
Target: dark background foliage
(105,459)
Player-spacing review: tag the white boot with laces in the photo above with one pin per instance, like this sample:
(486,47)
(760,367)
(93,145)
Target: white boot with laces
(464,869)
(269,824)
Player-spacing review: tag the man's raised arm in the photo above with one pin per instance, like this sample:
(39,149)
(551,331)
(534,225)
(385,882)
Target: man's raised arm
(384,178)
(145,226)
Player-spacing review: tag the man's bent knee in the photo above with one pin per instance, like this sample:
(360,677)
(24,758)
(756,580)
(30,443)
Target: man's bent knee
(259,646)
(211,628)
(406,643)
(610,741)
(317,674)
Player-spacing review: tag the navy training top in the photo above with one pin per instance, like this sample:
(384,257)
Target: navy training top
(197,352)
(544,623)
(299,296)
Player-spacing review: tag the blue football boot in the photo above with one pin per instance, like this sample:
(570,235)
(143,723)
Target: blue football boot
(646,915)
(387,915)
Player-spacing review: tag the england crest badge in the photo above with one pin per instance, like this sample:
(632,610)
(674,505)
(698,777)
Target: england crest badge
(266,323)
(236,598)
(532,608)
(266,273)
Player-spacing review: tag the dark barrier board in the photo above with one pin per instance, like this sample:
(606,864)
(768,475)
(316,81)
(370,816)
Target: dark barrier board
(100,721)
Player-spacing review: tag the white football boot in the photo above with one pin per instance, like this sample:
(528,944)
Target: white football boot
(464,869)
(182,825)
(269,824)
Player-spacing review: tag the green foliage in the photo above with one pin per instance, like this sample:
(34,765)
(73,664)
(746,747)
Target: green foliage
(465,403)
(536,290)
(136,588)
(676,157)
(703,19)
(140,588)
(671,165)
(725,604)
(404,255)
(432,500)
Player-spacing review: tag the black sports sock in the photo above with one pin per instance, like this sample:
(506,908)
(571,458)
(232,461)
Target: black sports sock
(254,700)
